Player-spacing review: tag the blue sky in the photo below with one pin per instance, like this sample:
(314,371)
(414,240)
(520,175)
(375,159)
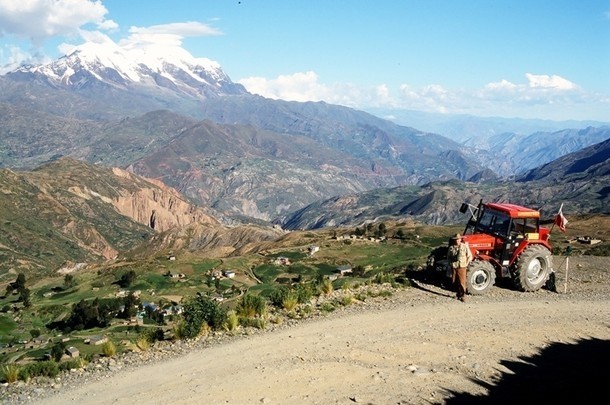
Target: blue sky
(512,58)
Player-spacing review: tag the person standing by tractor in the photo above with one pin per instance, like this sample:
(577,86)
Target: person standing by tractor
(459,257)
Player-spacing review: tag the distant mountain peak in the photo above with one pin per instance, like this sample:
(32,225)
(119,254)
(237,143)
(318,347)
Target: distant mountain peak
(153,66)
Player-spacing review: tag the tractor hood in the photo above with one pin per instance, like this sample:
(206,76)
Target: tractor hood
(480,242)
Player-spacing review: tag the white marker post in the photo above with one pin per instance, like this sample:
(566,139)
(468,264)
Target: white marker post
(567,253)
(565,285)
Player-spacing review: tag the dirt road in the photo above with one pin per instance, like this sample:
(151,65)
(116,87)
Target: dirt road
(419,346)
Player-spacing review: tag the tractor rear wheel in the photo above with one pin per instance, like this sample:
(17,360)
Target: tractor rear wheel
(532,268)
(480,277)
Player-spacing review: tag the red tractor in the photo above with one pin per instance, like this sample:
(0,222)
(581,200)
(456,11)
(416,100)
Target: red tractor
(507,242)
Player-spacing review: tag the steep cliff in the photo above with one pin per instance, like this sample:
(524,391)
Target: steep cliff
(158,206)
(69,212)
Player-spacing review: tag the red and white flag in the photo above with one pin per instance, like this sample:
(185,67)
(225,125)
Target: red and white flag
(560,220)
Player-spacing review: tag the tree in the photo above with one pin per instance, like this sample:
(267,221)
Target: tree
(17,285)
(127,278)
(382,228)
(57,351)
(24,297)
(20,282)
(89,314)
(131,303)
(400,234)
(69,281)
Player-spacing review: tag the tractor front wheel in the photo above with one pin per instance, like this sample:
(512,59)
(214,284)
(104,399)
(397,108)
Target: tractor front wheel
(532,268)
(480,277)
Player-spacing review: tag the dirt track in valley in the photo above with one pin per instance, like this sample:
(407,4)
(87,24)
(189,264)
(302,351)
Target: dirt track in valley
(419,346)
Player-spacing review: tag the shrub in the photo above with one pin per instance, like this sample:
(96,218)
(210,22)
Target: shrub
(600,250)
(73,364)
(306,310)
(361,297)
(179,330)
(24,374)
(198,311)
(290,302)
(347,300)
(304,293)
(277,296)
(205,330)
(404,281)
(142,342)
(153,334)
(382,278)
(232,321)
(385,293)
(109,349)
(81,362)
(359,271)
(276,319)
(251,306)
(327,307)
(258,323)
(326,287)
(9,373)
(41,369)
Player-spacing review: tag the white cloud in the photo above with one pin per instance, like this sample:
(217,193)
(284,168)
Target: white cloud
(185,29)
(108,25)
(549,82)
(501,85)
(305,86)
(89,36)
(38,20)
(540,96)
(301,86)
(13,57)
(167,34)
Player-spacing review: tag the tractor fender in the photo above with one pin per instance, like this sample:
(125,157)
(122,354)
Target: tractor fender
(524,245)
(487,258)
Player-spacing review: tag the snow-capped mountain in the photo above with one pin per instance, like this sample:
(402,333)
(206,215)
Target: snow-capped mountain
(136,69)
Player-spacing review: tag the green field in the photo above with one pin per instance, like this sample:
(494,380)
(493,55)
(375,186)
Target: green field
(162,281)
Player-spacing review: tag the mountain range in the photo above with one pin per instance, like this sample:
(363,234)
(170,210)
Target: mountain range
(579,180)
(243,161)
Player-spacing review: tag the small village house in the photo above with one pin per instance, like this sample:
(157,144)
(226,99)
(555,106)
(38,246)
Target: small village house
(72,352)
